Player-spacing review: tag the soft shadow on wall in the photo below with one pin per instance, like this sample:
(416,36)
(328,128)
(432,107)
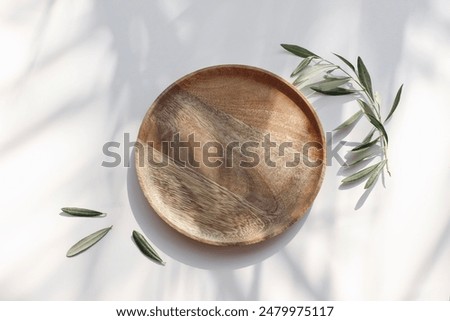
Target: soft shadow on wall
(141,68)
(145,64)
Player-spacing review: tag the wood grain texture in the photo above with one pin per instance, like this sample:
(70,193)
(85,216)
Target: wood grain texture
(230,204)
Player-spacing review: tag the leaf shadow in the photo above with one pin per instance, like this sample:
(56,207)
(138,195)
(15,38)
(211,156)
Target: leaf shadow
(362,200)
(340,134)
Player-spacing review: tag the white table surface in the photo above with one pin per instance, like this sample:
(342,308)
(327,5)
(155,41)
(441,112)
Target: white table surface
(77,74)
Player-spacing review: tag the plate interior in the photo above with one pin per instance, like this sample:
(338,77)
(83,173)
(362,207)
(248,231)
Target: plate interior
(230,155)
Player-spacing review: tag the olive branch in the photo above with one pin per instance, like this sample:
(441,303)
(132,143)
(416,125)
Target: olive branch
(322,76)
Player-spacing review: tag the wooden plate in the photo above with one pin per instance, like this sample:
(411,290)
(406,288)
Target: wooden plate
(198,148)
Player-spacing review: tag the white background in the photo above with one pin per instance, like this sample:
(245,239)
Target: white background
(77,74)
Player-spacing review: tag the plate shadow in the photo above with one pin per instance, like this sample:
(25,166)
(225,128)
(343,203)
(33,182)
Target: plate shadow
(190,252)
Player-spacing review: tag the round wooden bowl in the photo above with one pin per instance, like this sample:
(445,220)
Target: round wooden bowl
(230,155)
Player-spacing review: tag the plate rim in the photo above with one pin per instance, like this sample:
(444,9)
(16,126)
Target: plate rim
(288,86)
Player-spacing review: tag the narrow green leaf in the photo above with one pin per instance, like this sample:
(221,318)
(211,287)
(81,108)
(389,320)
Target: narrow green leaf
(362,157)
(85,243)
(328,84)
(77,211)
(338,91)
(361,174)
(395,104)
(330,76)
(307,75)
(298,51)
(356,116)
(365,145)
(379,126)
(364,77)
(145,247)
(302,65)
(373,177)
(366,108)
(348,63)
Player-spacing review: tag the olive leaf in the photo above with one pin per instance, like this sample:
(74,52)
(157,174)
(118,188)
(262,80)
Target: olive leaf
(354,118)
(306,77)
(360,158)
(338,91)
(298,51)
(145,247)
(348,63)
(395,104)
(85,243)
(330,76)
(328,83)
(365,145)
(379,126)
(84,212)
(373,177)
(366,108)
(361,174)
(364,77)
(302,65)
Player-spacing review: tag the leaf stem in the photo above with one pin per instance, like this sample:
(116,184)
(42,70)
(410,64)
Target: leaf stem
(372,103)
(368,100)
(375,106)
